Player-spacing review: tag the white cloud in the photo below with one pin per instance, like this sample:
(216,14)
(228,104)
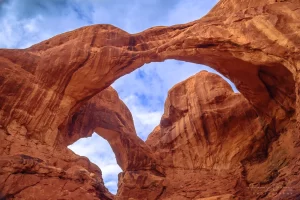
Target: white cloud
(99,152)
(146,115)
(187,11)
(24,23)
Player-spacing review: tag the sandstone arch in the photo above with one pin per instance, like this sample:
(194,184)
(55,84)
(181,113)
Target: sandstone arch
(254,43)
(229,41)
(109,117)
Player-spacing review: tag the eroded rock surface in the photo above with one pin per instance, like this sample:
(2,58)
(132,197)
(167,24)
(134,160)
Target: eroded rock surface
(44,89)
(207,125)
(253,43)
(31,169)
(110,118)
(213,143)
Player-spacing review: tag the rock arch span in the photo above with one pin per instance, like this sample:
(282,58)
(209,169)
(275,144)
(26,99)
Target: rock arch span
(238,44)
(109,117)
(255,44)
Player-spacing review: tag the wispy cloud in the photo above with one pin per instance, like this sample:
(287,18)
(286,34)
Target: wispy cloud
(24,23)
(99,152)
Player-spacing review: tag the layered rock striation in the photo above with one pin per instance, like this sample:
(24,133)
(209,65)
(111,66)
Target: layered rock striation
(213,144)
(32,169)
(207,125)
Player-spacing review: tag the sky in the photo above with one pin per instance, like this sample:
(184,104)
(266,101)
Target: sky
(26,22)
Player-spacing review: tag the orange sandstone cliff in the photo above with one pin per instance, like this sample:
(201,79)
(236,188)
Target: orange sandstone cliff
(214,144)
(210,144)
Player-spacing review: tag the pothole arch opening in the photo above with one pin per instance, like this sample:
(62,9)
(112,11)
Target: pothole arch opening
(144,90)
(99,151)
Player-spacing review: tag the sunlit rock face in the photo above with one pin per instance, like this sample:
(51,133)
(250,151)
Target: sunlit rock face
(207,125)
(254,43)
(213,143)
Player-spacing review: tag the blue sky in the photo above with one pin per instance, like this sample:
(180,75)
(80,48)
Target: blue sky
(25,22)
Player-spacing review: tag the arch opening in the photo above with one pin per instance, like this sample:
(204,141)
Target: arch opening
(99,151)
(145,90)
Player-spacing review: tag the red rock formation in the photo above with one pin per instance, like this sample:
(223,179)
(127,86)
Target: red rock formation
(210,137)
(235,38)
(213,145)
(109,117)
(31,169)
(207,125)
(254,43)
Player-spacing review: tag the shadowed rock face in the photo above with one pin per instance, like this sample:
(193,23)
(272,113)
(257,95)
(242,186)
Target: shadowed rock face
(109,117)
(47,92)
(31,169)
